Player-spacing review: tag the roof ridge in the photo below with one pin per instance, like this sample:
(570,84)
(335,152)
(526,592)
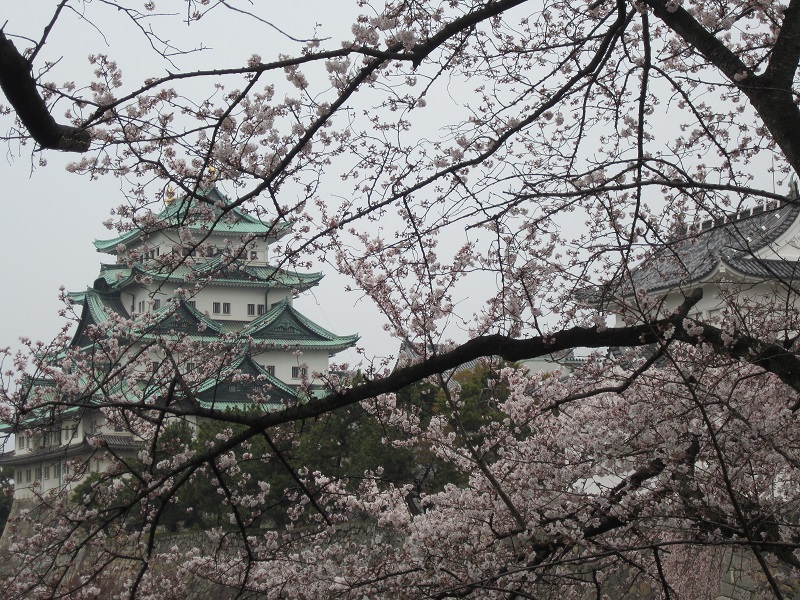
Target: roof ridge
(688,259)
(275,228)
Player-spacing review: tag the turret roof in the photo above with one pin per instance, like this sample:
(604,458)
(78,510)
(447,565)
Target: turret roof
(90,443)
(732,241)
(178,214)
(212,393)
(742,243)
(211,396)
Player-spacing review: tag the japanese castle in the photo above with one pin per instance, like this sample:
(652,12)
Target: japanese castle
(749,257)
(190,314)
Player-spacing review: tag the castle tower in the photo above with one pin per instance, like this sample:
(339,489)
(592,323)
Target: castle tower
(190,315)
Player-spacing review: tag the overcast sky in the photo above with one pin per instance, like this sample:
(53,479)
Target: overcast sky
(50,217)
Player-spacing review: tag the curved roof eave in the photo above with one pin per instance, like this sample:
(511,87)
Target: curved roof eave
(716,271)
(272,277)
(244,224)
(284,306)
(336,345)
(692,258)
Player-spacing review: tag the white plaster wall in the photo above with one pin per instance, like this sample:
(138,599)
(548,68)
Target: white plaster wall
(316,361)
(39,476)
(55,480)
(238,297)
(25,489)
(714,300)
(163,242)
(133,295)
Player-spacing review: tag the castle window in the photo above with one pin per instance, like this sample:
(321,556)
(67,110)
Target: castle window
(226,308)
(155,364)
(27,476)
(270,369)
(21,443)
(156,304)
(253,255)
(38,474)
(261,309)
(251,310)
(298,372)
(47,472)
(216,307)
(192,303)
(57,470)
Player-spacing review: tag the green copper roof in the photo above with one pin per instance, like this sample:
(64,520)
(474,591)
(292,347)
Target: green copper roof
(215,393)
(185,319)
(45,391)
(98,308)
(176,214)
(170,321)
(236,274)
(284,327)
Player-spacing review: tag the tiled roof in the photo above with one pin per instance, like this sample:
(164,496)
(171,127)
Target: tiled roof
(103,305)
(239,223)
(787,270)
(283,326)
(210,395)
(115,441)
(687,260)
(732,241)
(237,274)
(340,343)
(98,307)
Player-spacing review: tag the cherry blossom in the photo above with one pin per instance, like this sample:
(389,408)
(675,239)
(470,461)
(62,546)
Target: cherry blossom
(494,177)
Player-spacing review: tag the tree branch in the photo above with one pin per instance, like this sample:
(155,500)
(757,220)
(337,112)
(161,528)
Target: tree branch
(769,93)
(19,86)
(771,357)
(786,51)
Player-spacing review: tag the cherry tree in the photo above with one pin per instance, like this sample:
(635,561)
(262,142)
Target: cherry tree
(523,155)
